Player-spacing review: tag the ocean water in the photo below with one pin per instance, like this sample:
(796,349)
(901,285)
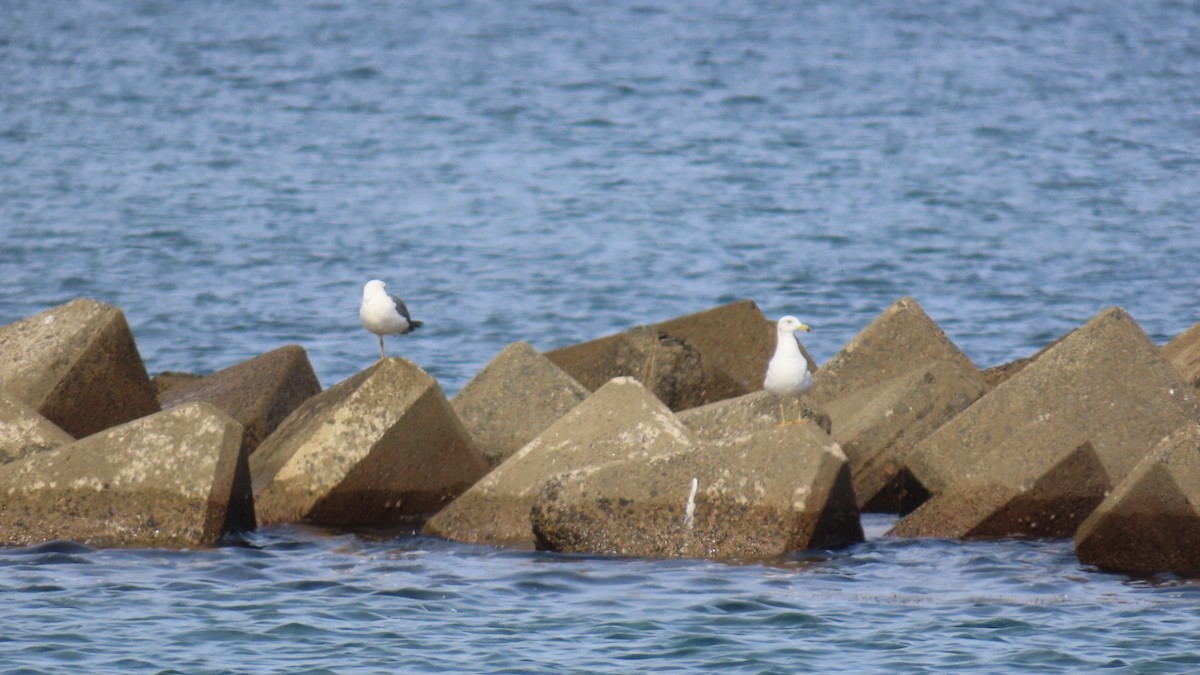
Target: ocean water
(231,173)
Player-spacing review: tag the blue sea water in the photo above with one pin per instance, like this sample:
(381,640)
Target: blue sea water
(231,173)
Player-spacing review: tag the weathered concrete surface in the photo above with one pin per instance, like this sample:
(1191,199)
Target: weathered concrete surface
(997,375)
(621,420)
(1151,521)
(671,367)
(686,361)
(763,495)
(898,340)
(78,366)
(1042,483)
(1184,353)
(1106,381)
(24,432)
(748,413)
(175,479)
(259,393)
(877,426)
(381,447)
(169,379)
(736,337)
(516,396)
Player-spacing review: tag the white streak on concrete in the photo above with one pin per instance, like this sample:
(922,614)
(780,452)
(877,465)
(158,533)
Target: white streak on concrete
(689,514)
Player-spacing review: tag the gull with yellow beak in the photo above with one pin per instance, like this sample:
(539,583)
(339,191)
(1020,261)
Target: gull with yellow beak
(787,373)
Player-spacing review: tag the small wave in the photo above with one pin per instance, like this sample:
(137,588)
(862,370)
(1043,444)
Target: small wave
(50,548)
(595,122)
(740,100)
(413,593)
(297,630)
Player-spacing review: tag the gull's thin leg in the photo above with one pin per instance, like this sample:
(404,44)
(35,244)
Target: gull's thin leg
(381,354)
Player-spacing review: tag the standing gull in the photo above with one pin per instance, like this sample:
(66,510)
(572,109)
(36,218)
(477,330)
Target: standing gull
(787,373)
(384,314)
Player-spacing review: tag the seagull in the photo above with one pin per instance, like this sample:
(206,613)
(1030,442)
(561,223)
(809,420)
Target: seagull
(384,314)
(787,373)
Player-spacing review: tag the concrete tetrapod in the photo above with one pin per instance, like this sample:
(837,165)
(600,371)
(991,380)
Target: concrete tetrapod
(177,478)
(621,420)
(1105,381)
(763,495)
(259,393)
(516,396)
(78,366)
(379,448)
(1151,521)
